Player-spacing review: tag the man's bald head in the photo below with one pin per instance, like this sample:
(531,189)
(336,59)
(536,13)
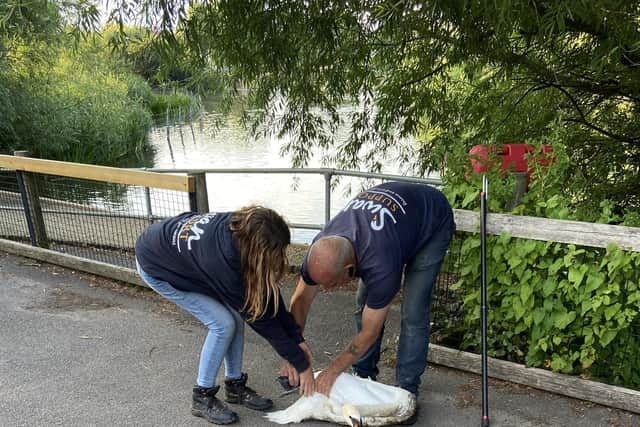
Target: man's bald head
(327,259)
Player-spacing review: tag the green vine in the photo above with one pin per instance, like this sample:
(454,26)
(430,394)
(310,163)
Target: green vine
(567,308)
(563,307)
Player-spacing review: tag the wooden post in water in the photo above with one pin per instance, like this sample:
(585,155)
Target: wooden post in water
(33,210)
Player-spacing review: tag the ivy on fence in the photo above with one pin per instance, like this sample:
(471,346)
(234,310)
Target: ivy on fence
(571,309)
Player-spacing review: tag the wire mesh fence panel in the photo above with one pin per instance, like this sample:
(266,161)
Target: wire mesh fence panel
(446,307)
(98,220)
(13,223)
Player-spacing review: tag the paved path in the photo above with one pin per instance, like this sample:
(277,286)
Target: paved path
(76,350)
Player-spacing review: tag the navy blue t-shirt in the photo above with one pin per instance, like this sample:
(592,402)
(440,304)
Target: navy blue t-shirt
(387,225)
(197,253)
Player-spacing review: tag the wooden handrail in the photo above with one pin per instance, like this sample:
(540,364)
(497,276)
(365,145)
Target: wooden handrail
(100,173)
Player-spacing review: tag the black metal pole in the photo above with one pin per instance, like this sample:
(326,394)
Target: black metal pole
(483,297)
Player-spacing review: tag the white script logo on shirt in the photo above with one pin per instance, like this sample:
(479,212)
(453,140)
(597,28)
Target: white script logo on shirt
(380,203)
(191,230)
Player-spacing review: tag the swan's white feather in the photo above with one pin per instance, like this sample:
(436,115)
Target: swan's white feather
(378,404)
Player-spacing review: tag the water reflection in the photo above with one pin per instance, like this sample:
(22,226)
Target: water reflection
(200,145)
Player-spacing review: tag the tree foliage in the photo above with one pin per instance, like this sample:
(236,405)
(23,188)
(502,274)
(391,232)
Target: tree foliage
(61,99)
(458,72)
(454,72)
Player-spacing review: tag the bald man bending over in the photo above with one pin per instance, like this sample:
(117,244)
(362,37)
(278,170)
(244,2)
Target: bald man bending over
(387,230)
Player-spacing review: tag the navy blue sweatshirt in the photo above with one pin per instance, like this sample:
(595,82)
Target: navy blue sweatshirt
(197,253)
(387,225)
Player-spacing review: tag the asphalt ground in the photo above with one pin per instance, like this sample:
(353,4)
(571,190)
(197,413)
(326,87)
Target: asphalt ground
(78,350)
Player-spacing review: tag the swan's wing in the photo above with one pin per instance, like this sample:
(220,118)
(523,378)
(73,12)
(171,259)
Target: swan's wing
(387,415)
(302,409)
(357,391)
(317,407)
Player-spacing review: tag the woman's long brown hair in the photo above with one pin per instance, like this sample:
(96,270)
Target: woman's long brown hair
(262,237)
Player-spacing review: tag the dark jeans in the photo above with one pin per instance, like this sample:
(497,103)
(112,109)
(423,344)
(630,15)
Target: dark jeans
(419,278)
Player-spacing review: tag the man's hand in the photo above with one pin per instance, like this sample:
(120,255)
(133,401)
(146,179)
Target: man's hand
(325,381)
(372,321)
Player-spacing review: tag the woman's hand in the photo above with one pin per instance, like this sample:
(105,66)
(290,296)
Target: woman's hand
(290,372)
(307,382)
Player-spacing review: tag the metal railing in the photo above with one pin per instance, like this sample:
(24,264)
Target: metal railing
(327,173)
(31,199)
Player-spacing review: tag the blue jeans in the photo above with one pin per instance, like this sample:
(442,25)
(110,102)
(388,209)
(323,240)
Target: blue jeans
(419,279)
(225,338)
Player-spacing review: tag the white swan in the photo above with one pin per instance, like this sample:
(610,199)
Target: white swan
(353,401)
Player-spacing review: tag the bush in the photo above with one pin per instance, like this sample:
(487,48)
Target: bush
(176,106)
(574,310)
(571,309)
(68,110)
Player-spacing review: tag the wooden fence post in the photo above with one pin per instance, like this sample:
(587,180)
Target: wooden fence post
(33,210)
(201,196)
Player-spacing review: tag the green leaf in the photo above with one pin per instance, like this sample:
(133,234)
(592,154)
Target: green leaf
(585,306)
(504,238)
(548,287)
(538,316)
(611,311)
(525,292)
(607,336)
(576,273)
(548,305)
(518,309)
(558,363)
(514,262)
(528,321)
(456,286)
(594,281)
(563,319)
(543,345)
(556,266)
(471,197)
(587,357)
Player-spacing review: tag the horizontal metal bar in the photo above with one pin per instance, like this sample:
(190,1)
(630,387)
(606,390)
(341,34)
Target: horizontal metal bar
(316,171)
(306,226)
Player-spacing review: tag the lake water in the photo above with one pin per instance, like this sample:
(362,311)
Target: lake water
(299,198)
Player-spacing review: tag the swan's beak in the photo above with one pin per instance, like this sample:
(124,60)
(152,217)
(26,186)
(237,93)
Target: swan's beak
(352,415)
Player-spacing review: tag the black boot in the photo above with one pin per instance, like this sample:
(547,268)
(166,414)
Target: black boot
(206,405)
(237,392)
